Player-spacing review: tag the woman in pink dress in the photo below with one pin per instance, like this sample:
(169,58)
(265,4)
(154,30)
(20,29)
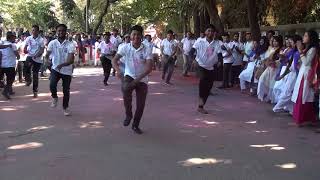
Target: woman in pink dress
(304,95)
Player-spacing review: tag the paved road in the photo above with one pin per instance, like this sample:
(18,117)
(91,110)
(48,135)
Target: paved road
(241,139)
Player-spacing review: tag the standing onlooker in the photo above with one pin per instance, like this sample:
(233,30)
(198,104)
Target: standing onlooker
(34,49)
(248,46)
(226,51)
(168,51)
(23,56)
(237,48)
(187,42)
(96,52)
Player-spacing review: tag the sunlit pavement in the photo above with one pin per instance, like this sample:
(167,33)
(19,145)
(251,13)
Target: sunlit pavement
(241,139)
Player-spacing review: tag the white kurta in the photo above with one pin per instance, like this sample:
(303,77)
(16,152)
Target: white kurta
(284,102)
(267,80)
(278,86)
(308,92)
(246,74)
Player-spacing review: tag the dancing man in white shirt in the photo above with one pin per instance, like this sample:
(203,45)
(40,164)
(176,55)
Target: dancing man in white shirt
(207,56)
(138,65)
(34,49)
(168,51)
(62,53)
(187,59)
(107,50)
(8,63)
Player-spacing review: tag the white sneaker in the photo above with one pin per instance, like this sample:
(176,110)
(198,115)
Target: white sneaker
(66,112)
(54,102)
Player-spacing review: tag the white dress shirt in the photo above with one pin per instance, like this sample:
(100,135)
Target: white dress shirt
(106,48)
(227,58)
(8,55)
(34,46)
(20,47)
(116,41)
(207,53)
(135,60)
(168,46)
(187,45)
(237,57)
(59,52)
(248,47)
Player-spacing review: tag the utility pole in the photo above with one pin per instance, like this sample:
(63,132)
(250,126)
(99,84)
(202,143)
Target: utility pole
(87,16)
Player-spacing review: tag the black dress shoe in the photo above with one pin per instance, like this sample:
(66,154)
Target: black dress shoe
(137,130)
(127,121)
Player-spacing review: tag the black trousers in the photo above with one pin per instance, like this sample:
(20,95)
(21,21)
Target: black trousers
(206,83)
(141,96)
(1,78)
(66,81)
(168,67)
(33,66)
(226,74)
(235,72)
(106,65)
(21,70)
(10,76)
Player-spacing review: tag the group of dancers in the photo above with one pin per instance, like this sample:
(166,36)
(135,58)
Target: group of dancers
(281,73)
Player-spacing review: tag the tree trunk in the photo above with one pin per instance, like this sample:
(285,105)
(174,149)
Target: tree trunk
(104,11)
(196,22)
(214,15)
(86,16)
(253,19)
(202,21)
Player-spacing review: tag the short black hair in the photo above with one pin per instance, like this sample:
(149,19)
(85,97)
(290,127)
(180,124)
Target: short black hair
(296,38)
(36,27)
(272,32)
(170,32)
(107,34)
(115,30)
(210,26)
(10,34)
(148,35)
(226,34)
(61,25)
(137,28)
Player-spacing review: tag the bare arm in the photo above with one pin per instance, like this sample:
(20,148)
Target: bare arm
(70,60)
(115,63)
(17,54)
(161,49)
(39,53)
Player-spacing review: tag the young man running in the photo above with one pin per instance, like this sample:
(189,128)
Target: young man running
(62,53)
(138,64)
(107,50)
